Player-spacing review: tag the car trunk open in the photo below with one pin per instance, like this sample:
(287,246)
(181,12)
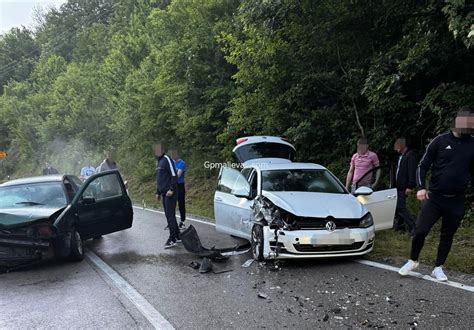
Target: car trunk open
(264,147)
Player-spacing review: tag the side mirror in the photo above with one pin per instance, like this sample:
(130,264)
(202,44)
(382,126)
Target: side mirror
(241,192)
(87,200)
(363,191)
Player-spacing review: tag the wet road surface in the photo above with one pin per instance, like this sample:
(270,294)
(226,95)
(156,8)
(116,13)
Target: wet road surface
(303,293)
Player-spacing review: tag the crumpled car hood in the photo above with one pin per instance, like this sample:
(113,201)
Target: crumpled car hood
(317,205)
(19,217)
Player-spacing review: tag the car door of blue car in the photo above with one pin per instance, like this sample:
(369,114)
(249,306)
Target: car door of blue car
(102,205)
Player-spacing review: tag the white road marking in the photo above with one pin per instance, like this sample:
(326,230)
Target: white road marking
(187,218)
(361,261)
(417,275)
(151,314)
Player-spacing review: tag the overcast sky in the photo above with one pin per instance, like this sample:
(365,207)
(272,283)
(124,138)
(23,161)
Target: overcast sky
(15,13)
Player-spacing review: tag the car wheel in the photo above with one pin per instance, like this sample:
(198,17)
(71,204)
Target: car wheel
(257,243)
(77,246)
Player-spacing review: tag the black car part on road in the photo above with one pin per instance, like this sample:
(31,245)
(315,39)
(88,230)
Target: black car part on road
(192,243)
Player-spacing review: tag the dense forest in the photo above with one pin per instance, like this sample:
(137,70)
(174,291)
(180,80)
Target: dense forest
(197,74)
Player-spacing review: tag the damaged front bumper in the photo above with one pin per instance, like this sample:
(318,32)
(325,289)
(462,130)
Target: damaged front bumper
(285,244)
(19,251)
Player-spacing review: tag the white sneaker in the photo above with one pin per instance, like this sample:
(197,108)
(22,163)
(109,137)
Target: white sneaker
(408,267)
(439,274)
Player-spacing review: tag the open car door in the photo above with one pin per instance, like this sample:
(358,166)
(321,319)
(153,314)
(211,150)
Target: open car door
(231,210)
(102,205)
(383,201)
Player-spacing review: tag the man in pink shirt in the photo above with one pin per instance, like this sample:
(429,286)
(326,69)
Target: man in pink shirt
(362,162)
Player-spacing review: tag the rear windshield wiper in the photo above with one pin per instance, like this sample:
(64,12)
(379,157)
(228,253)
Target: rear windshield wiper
(29,203)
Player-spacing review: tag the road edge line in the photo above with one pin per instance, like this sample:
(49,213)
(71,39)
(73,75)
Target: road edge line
(415,274)
(145,308)
(187,218)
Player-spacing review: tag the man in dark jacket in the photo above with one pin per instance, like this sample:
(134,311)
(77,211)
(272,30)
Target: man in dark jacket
(405,183)
(450,157)
(48,170)
(166,180)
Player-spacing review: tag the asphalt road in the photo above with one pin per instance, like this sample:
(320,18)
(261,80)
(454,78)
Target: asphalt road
(304,294)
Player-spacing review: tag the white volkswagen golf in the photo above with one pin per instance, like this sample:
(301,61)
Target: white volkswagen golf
(296,210)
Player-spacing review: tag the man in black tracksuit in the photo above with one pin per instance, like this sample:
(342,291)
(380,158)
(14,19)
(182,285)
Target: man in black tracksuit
(166,180)
(451,159)
(405,183)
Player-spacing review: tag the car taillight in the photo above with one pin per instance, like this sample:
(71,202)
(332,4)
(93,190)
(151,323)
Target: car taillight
(239,141)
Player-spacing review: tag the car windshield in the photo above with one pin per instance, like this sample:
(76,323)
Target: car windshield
(310,180)
(44,194)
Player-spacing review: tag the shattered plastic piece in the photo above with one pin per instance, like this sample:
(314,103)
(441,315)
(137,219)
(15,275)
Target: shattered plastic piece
(206,265)
(262,295)
(222,271)
(194,265)
(247,263)
(336,310)
(192,243)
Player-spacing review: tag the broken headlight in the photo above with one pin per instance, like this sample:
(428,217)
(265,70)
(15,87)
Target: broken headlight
(366,221)
(265,211)
(42,230)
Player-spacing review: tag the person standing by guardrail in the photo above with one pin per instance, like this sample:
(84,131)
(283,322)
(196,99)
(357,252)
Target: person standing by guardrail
(450,157)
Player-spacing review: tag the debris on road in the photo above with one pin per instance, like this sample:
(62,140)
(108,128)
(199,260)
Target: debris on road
(220,271)
(192,243)
(247,263)
(206,266)
(262,295)
(194,265)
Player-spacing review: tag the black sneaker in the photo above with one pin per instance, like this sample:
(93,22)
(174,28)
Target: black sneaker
(170,244)
(182,225)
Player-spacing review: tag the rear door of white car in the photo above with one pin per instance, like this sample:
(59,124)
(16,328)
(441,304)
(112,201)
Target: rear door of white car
(232,213)
(383,201)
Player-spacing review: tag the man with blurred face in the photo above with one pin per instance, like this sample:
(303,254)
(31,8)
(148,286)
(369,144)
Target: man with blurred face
(450,157)
(108,163)
(362,162)
(48,170)
(166,179)
(87,171)
(405,183)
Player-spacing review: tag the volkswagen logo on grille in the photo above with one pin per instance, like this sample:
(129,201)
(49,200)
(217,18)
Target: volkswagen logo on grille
(330,226)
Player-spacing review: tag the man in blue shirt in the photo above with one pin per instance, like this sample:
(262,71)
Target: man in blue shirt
(181,170)
(87,171)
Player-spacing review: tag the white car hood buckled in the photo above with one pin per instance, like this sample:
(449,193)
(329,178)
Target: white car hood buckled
(317,205)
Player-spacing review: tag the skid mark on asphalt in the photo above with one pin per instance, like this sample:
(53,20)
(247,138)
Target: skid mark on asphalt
(151,314)
(360,261)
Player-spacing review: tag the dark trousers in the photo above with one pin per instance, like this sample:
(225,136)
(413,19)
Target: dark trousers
(181,201)
(451,210)
(169,203)
(402,213)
